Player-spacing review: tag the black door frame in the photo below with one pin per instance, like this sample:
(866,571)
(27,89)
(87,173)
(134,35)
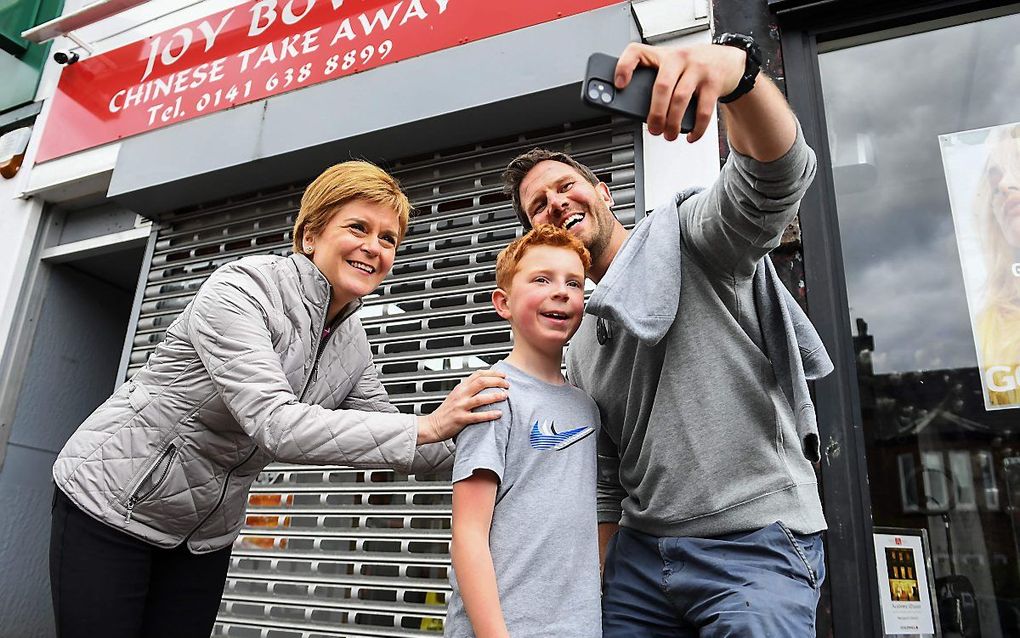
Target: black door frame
(850,545)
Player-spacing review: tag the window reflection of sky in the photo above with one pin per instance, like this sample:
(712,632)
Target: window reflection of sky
(886,103)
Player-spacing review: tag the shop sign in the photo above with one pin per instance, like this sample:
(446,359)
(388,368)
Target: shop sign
(262,48)
(905,582)
(983,176)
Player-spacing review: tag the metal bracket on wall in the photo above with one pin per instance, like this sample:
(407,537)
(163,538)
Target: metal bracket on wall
(84,46)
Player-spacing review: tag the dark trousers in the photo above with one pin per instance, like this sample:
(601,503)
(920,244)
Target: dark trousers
(106,583)
(761,584)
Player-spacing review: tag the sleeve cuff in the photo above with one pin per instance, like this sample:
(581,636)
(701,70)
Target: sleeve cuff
(610,516)
(412,439)
(467,471)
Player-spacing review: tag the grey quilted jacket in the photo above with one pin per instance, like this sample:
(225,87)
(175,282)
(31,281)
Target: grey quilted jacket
(235,385)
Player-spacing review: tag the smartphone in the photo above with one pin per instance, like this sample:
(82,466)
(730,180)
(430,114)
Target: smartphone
(632,101)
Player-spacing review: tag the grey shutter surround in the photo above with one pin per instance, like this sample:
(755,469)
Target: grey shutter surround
(330,551)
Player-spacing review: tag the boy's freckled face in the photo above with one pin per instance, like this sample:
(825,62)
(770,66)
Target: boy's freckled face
(545,302)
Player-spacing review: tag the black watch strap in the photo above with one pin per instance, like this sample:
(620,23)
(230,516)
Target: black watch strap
(752,64)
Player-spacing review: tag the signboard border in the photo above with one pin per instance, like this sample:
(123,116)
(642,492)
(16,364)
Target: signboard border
(251,59)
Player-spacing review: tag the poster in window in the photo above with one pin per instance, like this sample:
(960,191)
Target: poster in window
(905,582)
(983,175)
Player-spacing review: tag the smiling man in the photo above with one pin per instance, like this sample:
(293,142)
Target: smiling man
(709,515)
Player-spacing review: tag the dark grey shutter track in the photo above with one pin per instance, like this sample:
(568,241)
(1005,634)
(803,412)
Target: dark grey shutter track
(331,551)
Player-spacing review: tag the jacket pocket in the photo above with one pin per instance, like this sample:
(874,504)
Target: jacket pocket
(155,475)
(138,396)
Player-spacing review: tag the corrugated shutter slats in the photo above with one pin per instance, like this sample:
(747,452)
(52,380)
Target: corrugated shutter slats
(331,551)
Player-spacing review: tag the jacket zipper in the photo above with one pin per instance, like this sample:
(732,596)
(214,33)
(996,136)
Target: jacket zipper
(168,457)
(223,493)
(318,350)
(226,481)
(304,388)
(321,347)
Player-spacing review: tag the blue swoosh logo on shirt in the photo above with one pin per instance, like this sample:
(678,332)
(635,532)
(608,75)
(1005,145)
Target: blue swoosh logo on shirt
(545,436)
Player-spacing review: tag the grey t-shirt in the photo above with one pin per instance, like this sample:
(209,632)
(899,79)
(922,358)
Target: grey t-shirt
(544,534)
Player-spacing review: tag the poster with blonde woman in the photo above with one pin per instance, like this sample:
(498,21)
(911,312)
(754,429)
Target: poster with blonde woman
(983,174)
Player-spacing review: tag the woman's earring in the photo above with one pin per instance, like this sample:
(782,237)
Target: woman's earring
(308,250)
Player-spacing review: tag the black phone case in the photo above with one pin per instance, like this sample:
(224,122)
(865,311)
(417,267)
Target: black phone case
(635,99)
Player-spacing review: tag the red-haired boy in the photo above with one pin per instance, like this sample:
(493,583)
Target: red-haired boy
(525,541)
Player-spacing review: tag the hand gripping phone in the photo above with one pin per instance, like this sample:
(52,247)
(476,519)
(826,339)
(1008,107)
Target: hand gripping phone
(632,101)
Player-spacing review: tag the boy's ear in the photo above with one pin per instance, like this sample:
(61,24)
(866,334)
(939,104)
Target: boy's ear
(500,303)
(603,190)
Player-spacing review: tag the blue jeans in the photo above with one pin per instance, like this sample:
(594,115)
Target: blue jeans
(761,583)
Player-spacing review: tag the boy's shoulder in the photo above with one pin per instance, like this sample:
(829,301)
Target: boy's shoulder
(528,394)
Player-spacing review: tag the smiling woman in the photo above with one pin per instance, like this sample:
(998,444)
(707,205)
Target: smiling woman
(351,232)
(268,363)
(355,250)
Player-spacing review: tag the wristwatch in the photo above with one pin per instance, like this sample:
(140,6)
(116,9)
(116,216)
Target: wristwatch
(751,66)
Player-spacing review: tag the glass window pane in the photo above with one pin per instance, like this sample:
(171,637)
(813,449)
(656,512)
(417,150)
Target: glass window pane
(937,458)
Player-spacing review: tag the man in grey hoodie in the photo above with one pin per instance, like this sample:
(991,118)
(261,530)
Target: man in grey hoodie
(709,515)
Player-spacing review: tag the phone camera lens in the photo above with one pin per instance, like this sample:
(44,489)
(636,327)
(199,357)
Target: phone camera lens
(600,91)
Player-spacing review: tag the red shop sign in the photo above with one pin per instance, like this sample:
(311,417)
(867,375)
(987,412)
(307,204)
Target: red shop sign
(262,48)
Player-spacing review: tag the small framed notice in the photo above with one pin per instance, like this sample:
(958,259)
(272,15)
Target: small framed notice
(905,582)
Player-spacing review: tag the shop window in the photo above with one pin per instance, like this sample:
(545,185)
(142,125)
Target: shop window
(924,150)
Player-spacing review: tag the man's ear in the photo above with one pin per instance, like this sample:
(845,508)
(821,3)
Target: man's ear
(500,301)
(603,192)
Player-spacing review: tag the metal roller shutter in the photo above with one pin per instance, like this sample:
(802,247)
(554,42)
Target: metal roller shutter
(330,551)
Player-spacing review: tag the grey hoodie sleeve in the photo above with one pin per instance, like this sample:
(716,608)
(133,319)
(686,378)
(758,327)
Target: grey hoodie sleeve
(230,333)
(741,217)
(610,493)
(369,395)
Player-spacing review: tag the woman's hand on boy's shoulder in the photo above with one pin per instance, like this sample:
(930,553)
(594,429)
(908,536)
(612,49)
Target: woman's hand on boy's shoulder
(460,408)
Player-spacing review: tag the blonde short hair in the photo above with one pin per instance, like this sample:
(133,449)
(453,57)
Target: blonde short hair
(346,182)
(509,259)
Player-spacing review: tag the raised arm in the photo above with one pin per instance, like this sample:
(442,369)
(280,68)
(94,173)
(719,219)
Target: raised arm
(760,124)
(733,224)
(741,217)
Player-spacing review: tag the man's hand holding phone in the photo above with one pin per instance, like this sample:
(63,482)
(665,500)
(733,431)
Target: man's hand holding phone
(708,70)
